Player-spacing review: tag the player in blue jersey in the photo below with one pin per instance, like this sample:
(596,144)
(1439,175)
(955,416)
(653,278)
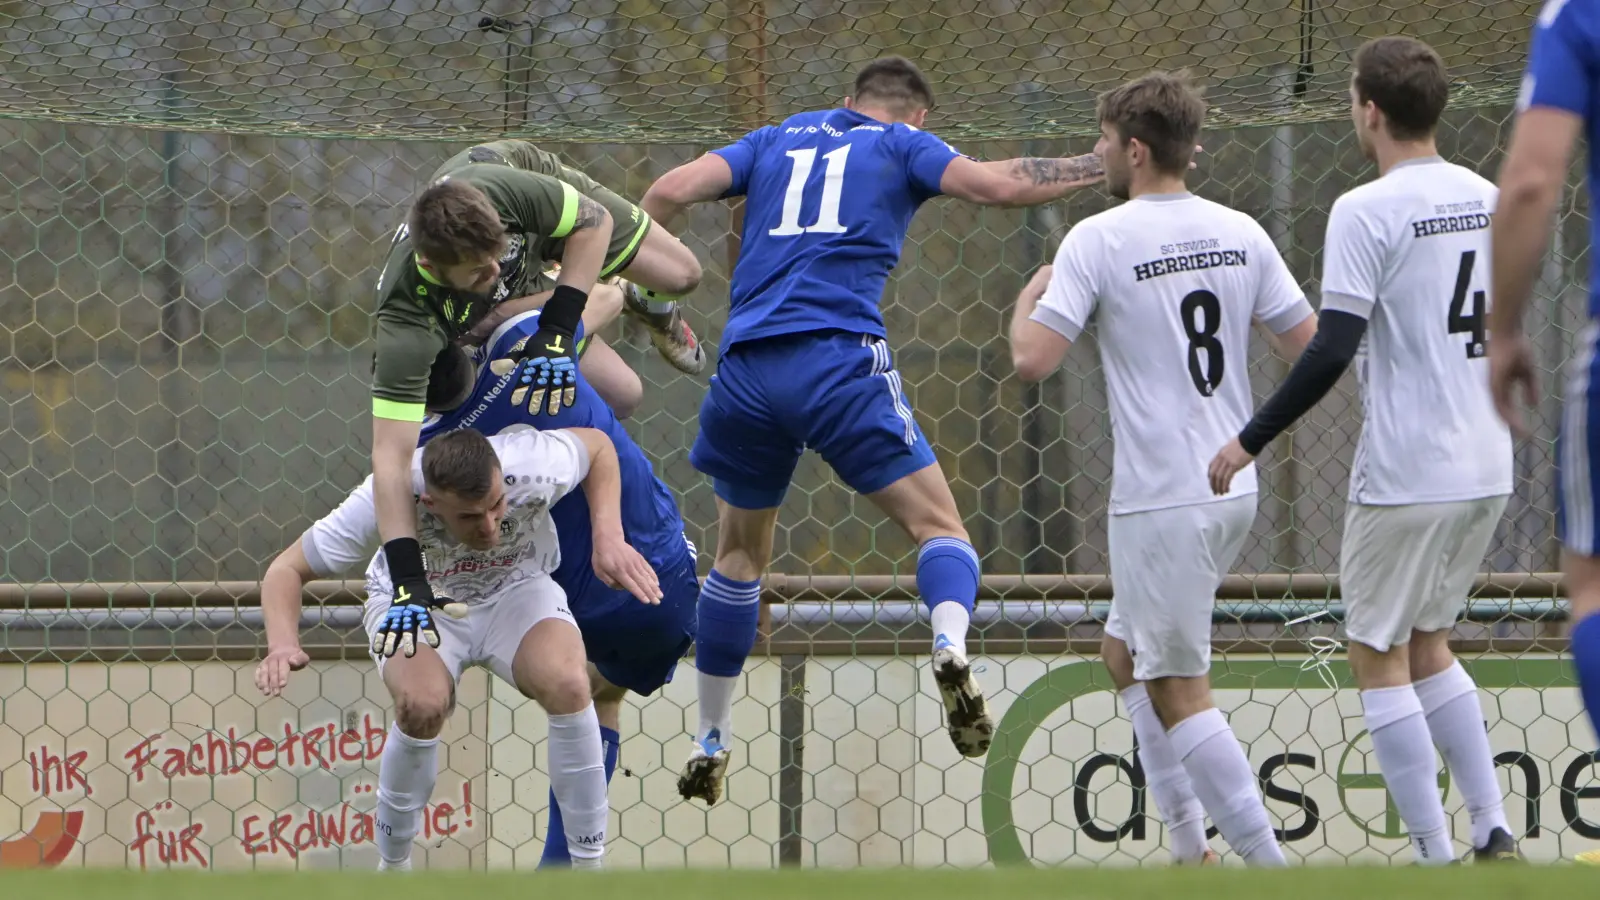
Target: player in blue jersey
(631,646)
(804,363)
(1558,102)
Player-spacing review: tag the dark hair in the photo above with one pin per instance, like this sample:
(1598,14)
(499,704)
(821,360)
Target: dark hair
(450,380)
(453,221)
(1163,110)
(462,463)
(1406,80)
(893,81)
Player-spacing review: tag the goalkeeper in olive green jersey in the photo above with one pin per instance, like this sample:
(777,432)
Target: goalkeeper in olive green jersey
(474,244)
(657,310)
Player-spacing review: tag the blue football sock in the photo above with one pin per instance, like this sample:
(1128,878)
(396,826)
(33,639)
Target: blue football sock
(947,579)
(555,836)
(728,612)
(1586,659)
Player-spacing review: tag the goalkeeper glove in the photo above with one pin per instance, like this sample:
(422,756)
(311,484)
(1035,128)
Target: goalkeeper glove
(546,367)
(410,615)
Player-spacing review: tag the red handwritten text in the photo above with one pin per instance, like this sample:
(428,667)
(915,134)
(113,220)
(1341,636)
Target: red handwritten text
(218,754)
(52,774)
(172,847)
(291,834)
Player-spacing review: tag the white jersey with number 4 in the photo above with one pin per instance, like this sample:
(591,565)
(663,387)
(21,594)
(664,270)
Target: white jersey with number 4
(1175,281)
(1410,251)
(538,468)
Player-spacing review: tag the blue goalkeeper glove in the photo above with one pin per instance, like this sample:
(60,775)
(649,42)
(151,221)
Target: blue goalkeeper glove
(410,616)
(545,370)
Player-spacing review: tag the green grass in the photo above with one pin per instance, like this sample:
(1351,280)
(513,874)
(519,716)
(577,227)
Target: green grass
(1318,883)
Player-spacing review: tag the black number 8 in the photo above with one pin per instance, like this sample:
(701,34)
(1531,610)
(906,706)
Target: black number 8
(1203,337)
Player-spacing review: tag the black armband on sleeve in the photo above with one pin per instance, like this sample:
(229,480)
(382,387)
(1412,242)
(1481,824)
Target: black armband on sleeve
(1315,373)
(404,556)
(564,310)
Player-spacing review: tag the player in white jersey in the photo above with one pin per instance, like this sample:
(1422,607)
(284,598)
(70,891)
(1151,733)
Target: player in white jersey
(1405,272)
(489,547)
(1175,282)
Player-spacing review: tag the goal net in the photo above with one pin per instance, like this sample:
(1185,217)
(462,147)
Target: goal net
(196,199)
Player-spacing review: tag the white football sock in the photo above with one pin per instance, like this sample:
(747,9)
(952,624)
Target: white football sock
(407,771)
(716,705)
(1450,702)
(1169,783)
(1226,785)
(657,302)
(1404,747)
(578,779)
(951,620)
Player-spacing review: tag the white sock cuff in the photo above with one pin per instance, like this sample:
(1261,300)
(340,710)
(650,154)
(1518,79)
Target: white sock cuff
(406,740)
(1136,697)
(1383,707)
(1189,734)
(1437,690)
(582,720)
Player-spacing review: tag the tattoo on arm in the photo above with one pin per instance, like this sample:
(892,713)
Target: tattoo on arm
(1055,171)
(589,214)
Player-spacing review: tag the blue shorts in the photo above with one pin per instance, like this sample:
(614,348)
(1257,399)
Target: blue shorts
(1578,450)
(636,646)
(834,392)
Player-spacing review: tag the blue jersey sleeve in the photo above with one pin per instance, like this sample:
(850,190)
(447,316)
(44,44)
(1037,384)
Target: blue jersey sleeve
(1561,59)
(926,157)
(741,158)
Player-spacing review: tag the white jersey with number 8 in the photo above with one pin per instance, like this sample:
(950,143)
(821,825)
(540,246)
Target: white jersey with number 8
(1410,252)
(1175,280)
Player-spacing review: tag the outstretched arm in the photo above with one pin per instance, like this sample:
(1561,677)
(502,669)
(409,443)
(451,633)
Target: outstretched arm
(1036,349)
(584,255)
(705,179)
(281,589)
(615,562)
(1019,182)
(1531,179)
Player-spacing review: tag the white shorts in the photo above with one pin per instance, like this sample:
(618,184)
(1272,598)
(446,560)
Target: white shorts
(494,627)
(1166,566)
(1410,568)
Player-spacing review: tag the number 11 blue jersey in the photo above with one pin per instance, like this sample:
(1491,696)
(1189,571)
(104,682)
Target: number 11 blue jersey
(830,195)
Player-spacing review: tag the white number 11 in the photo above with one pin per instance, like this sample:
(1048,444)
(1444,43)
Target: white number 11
(832,191)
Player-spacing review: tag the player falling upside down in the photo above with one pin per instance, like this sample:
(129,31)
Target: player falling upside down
(482,508)
(477,238)
(1174,281)
(657,310)
(1404,276)
(630,646)
(804,363)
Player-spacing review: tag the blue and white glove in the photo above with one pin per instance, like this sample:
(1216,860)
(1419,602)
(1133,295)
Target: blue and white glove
(410,615)
(544,371)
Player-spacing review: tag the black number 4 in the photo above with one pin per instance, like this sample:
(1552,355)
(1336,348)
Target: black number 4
(1474,323)
(1203,336)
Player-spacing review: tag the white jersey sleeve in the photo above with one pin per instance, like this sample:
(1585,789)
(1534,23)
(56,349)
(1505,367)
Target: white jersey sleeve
(1070,298)
(1280,302)
(1353,255)
(540,467)
(348,535)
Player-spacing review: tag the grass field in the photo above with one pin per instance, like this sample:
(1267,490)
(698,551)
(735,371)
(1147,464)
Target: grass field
(1322,883)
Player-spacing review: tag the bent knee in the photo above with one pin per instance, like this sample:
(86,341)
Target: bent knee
(685,276)
(625,399)
(422,713)
(564,694)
